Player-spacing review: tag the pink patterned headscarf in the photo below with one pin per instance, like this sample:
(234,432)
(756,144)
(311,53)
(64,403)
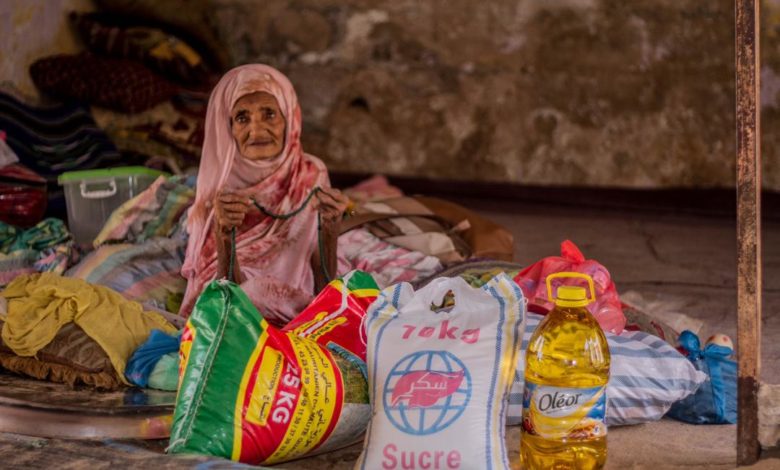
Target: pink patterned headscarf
(273,254)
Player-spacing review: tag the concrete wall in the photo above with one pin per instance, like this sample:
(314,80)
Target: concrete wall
(32,29)
(586,92)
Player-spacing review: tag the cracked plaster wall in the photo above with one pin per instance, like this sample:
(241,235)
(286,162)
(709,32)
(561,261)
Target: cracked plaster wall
(582,92)
(33,29)
(571,92)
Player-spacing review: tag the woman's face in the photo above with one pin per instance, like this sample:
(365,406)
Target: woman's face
(257,124)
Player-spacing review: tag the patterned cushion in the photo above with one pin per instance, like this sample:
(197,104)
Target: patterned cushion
(161,131)
(119,84)
(72,357)
(158,50)
(192,20)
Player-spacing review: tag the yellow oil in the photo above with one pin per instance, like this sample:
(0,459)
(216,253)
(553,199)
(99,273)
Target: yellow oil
(568,350)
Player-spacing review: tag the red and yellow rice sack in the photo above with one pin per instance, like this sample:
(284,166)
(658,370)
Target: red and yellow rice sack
(256,394)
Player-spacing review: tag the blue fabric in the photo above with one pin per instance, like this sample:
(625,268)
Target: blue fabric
(143,360)
(716,400)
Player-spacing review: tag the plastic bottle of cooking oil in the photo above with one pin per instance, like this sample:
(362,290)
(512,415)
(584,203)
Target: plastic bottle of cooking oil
(566,374)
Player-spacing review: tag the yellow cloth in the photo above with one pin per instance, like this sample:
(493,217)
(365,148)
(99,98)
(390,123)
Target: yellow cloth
(40,304)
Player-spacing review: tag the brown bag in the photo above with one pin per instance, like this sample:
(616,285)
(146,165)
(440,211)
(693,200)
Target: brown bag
(407,223)
(486,238)
(435,227)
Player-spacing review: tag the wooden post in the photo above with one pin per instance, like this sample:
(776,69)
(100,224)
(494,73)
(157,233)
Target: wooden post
(748,228)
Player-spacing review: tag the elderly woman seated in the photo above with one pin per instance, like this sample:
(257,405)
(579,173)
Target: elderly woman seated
(252,153)
(259,194)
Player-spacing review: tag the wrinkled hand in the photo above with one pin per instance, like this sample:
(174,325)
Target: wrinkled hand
(331,203)
(230,210)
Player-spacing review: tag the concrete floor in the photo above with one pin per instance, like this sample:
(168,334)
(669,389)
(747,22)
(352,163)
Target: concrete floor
(686,262)
(682,261)
(676,260)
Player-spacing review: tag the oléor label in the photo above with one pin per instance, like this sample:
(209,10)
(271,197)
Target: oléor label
(564,412)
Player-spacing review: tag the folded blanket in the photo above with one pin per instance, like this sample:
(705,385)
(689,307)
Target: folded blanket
(140,250)
(161,130)
(149,271)
(387,263)
(40,304)
(52,140)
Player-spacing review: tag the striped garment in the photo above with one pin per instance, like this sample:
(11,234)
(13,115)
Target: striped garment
(146,272)
(15,264)
(55,139)
(387,263)
(647,375)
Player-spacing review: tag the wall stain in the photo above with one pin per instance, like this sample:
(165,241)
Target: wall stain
(632,94)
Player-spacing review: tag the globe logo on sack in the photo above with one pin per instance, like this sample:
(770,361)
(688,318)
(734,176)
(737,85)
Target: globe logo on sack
(426,392)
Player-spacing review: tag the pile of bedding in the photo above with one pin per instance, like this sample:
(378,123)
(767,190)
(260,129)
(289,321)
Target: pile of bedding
(136,95)
(143,77)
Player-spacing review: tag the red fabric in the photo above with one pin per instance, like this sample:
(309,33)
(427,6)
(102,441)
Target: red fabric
(22,196)
(119,84)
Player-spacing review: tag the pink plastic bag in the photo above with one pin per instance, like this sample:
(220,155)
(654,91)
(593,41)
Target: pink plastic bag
(606,309)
